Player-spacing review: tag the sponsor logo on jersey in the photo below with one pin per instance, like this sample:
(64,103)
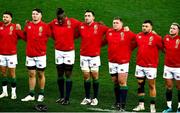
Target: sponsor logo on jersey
(167,39)
(82,27)
(110,34)
(29,27)
(1,28)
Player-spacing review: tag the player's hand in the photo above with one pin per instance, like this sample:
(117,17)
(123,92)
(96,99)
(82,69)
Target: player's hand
(27,21)
(18,27)
(126,28)
(101,22)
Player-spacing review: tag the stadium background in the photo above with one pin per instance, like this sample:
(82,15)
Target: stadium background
(133,12)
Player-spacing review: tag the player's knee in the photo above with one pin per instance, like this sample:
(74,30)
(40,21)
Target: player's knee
(177,86)
(141,83)
(60,69)
(68,67)
(95,69)
(31,67)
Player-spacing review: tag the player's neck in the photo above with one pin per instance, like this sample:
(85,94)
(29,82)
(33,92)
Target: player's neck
(6,24)
(36,21)
(173,35)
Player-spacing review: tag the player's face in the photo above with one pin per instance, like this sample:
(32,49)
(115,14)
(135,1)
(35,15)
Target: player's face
(61,18)
(36,16)
(7,18)
(146,28)
(117,24)
(88,17)
(173,30)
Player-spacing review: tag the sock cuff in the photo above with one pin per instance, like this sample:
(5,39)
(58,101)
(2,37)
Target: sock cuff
(12,80)
(60,78)
(124,87)
(95,81)
(4,79)
(87,81)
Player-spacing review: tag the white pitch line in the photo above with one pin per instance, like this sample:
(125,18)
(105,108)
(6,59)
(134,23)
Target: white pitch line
(99,109)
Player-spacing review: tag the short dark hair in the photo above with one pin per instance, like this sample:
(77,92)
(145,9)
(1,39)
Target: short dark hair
(59,11)
(8,13)
(38,10)
(148,21)
(118,18)
(176,24)
(90,11)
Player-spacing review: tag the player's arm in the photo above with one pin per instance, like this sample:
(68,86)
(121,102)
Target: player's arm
(20,33)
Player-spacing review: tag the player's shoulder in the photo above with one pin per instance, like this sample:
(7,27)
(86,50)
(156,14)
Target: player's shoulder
(110,30)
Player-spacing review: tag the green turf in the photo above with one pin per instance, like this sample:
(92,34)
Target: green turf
(133,12)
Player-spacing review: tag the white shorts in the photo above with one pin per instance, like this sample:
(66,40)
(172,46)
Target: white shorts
(148,72)
(8,60)
(171,73)
(39,62)
(66,57)
(118,68)
(90,63)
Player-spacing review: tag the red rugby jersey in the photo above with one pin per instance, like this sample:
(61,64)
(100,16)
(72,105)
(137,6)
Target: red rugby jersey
(8,39)
(91,38)
(148,49)
(172,51)
(64,34)
(36,38)
(119,45)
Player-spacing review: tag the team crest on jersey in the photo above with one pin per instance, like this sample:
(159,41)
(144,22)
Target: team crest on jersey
(95,29)
(69,24)
(82,27)
(40,30)
(150,40)
(11,30)
(110,34)
(139,37)
(177,43)
(122,35)
(1,28)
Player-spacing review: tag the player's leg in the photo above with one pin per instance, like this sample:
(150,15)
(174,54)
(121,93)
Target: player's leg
(68,73)
(122,81)
(178,91)
(69,58)
(168,77)
(94,67)
(60,67)
(31,66)
(41,82)
(60,81)
(141,83)
(176,77)
(152,93)
(12,74)
(95,76)
(84,64)
(4,82)
(12,61)
(114,78)
(123,89)
(151,74)
(41,65)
